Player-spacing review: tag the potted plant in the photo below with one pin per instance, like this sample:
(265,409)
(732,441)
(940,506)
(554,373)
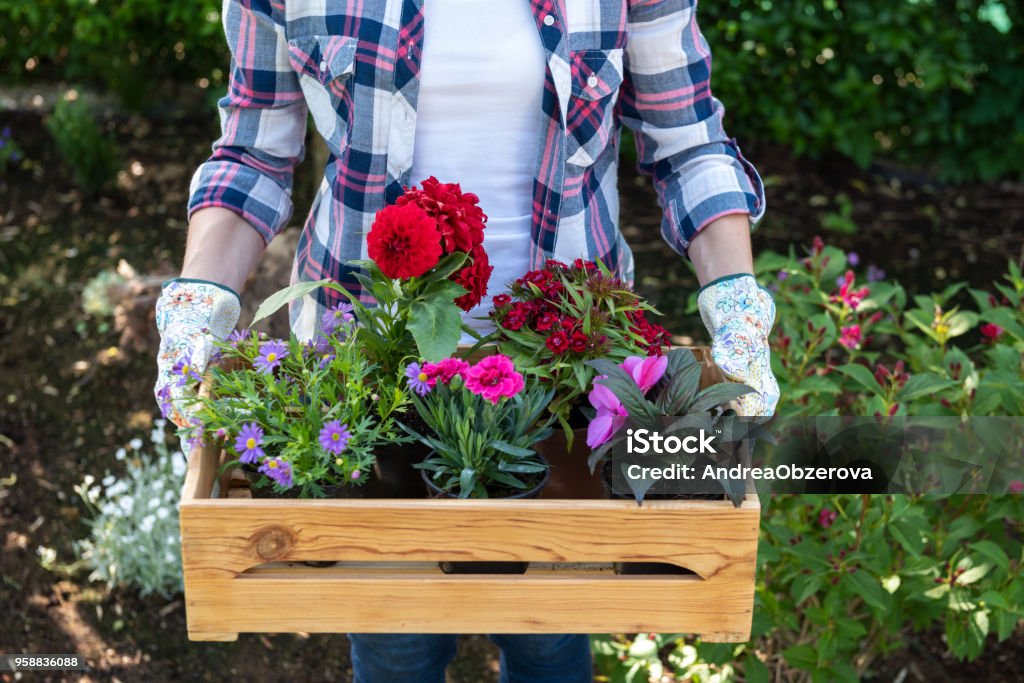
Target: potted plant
(300,419)
(551,323)
(427,264)
(484,421)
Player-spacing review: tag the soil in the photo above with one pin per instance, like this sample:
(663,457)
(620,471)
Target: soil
(74,385)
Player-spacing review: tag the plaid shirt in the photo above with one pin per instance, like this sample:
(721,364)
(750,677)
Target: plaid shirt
(354,65)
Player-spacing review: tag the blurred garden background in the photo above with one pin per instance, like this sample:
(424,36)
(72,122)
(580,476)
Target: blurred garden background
(890,136)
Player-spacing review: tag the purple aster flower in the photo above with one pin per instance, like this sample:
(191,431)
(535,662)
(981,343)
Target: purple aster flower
(356,474)
(185,370)
(250,437)
(278,470)
(239,336)
(782,275)
(334,436)
(326,360)
(419,381)
(336,317)
(875,273)
(853,258)
(271,355)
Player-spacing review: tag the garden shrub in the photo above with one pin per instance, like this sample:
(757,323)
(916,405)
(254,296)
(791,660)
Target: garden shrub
(125,46)
(843,579)
(88,151)
(134,540)
(918,81)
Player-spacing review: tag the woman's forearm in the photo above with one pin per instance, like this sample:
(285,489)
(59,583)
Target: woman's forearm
(722,248)
(222,247)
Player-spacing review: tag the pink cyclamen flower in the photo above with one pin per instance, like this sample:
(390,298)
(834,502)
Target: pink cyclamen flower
(445,370)
(494,378)
(850,336)
(826,517)
(847,294)
(645,371)
(1017,486)
(611,415)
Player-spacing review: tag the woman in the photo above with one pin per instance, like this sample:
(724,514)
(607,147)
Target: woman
(521,101)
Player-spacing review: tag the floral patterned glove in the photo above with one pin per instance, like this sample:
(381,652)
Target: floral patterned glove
(739,314)
(190,314)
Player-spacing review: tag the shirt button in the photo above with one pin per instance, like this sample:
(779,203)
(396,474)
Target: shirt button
(323,65)
(549,20)
(592,81)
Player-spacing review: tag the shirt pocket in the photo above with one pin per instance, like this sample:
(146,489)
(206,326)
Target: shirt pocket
(325,65)
(596,78)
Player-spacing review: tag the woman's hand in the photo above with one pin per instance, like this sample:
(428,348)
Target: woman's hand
(739,314)
(190,315)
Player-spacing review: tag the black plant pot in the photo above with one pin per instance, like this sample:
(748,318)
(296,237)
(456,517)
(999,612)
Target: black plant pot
(646,568)
(393,473)
(496,567)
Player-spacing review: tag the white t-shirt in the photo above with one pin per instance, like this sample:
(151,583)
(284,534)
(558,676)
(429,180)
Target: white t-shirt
(478,116)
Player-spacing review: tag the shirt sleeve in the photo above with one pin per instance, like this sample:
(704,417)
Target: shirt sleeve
(666,100)
(263,123)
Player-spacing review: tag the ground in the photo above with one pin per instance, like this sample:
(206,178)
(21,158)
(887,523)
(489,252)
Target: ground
(71,392)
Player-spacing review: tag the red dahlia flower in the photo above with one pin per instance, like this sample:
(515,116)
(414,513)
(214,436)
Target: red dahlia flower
(459,219)
(404,241)
(474,277)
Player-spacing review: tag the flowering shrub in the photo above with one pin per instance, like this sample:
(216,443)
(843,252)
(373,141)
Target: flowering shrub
(643,391)
(555,319)
(485,421)
(856,346)
(302,415)
(843,580)
(133,533)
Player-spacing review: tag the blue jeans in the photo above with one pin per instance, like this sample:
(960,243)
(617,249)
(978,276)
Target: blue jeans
(415,658)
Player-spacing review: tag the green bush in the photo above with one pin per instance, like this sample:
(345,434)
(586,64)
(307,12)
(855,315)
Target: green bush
(87,150)
(930,81)
(843,580)
(127,46)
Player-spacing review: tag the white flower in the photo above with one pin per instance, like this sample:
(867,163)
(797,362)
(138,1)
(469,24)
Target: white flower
(146,525)
(119,454)
(178,467)
(162,513)
(127,503)
(135,444)
(169,556)
(93,494)
(117,489)
(154,503)
(89,480)
(109,509)
(109,480)
(158,485)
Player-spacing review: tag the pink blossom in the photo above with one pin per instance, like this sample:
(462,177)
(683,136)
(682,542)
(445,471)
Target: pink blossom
(611,415)
(826,517)
(494,378)
(848,295)
(444,370)
(1017,486)
(645,371)
(850,337)
(991,332)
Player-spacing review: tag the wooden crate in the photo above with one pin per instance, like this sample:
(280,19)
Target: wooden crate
(243,572)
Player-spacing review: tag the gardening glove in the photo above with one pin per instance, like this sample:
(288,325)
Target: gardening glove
(190,315)
(738,314)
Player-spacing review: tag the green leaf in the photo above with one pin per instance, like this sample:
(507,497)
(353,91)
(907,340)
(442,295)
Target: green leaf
(754,669)
(436,326)
(284,296)
(923,384)
(862,376)
(869,588)
(992,553)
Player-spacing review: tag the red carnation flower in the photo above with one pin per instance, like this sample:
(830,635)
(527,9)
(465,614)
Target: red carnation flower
(501,300)
(558,342)
(474,278)
(516,318)
(403,241)
(569,323)
(459,219)
(548,321)
(578,342)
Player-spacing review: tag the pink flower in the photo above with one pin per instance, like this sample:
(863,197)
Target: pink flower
(645,371)
(1017,486)
(826,517)
(494,378)
(848,295)
(991,331)
(444,370)
(849,336)
(611,415)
